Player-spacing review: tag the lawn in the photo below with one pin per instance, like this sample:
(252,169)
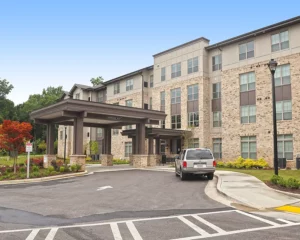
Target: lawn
(265,175)
(21,159)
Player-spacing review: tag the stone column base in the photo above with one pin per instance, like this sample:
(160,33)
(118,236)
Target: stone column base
(106,160)
(78,159)
(47,160)
(130,159)
(154,160)
(140,161)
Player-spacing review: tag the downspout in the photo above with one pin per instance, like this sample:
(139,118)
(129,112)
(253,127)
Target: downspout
(142,90)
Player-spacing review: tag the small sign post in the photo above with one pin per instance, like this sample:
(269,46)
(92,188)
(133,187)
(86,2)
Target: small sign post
(28,150)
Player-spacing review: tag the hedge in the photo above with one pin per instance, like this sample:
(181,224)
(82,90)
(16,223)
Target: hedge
(241,163)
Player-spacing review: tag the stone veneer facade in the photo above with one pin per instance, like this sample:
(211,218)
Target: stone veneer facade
(232,130)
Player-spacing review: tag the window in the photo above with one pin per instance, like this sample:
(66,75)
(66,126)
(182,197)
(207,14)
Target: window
(282,75)
(129,84)
(99,132)
(248,147)
(192,65)
(101,96)
(61,135)
(216,90)
(284,110)
(285,146)
(151,81)
(163,124)
(163,74)
(193,92)
(196,154)
(217,62)
(248,114)
(193,120)
(175,96)
(128,127)
(176,70)
(150,103)
(115,131)
(128,103)
(145,105)
(176,121)
(280,41)
(246,50)
(117,88)
(145,84)
(247,82)
(217,148)
(217,119)
(162,99)
(77,96)
(128,148)
(162,146)
(193,143)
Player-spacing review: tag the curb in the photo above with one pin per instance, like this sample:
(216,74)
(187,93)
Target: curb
(44,179)
(234,200)
(295,195)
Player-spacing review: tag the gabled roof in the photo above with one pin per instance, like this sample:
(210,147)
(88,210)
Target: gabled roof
(257,32)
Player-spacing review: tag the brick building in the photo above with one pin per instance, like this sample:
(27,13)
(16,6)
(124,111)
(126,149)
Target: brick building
(220,92)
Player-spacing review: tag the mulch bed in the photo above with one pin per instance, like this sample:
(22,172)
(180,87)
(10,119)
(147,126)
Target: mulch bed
(271,185)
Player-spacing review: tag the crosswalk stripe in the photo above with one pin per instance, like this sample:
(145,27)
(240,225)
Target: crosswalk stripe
(51,234)
(32,235)
(193,226)
(258,218)
(134,232)
(115,230)
(214,227)
(285,221)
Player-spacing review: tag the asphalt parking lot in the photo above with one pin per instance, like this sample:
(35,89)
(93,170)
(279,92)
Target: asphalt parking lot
(132,204)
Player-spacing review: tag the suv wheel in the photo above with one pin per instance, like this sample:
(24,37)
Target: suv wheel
(210,176)
(182,175)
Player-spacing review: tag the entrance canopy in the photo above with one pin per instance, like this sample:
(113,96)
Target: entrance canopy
(160,133)
(79,113)
(95,114)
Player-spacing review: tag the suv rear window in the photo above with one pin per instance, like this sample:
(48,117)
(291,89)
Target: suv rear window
(195,154)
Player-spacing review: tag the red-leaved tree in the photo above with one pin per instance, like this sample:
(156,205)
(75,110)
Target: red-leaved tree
(13,136)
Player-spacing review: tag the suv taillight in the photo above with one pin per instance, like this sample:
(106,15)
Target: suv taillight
(184,164)
(215,163)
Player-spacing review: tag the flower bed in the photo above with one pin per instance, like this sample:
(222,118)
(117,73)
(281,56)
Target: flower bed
(241,163)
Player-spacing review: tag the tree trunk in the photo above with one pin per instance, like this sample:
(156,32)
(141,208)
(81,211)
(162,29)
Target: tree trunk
(15,165)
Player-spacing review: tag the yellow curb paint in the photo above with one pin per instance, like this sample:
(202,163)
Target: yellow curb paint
(291,209)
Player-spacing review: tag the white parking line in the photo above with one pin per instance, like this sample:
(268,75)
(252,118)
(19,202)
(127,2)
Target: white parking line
(115,230)
(134,232)
(193,226)
(258,218)
(214,227)
(285,221)
(32,235)
(51,234)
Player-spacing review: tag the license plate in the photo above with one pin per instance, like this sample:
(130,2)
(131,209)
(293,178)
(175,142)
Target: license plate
(200,166)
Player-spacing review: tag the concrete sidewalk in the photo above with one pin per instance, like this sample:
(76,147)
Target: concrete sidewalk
(250,191)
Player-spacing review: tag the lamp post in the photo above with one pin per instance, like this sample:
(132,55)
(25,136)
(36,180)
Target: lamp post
(65,146)
(272,66)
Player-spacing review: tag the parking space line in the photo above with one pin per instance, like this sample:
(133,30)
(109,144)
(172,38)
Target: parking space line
(134,232)
(32,235)
(285,221)
(193,226)
(115,230)
(258,218)
(238,231)
(51,234)
(214,227)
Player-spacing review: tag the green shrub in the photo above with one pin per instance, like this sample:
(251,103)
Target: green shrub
(22,170)
(78,167)
(23,176)
(292,183)
(51,169)
(35,169)
(12,177)
(119,161)
(241,163)
(275,179)
(73,168)
(35,175)
(62,169)
(220,164)
(53,173)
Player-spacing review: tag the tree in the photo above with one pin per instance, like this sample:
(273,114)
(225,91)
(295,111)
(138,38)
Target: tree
(13,136)
(96,81)
(5,88)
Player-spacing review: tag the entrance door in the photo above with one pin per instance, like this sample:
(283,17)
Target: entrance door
(178,146)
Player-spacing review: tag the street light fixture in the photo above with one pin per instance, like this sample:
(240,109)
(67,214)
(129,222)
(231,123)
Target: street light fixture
(272,66)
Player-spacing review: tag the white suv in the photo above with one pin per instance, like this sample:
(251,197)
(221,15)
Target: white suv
(195,161)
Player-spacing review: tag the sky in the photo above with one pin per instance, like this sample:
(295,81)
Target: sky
(62,42)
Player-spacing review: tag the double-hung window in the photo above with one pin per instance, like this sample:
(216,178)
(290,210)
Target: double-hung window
(217,119)
(280,41)
(284,110)
(176,70)
(193,92)
(129,84)
(117,88)
(216,90)
(192,65)
(285,146)
(282,75)
(248,147)
(217,148)
(246,50)
(175,95)
(176,121)
(217,62)
(247,82)
(248,114)
(163,74)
